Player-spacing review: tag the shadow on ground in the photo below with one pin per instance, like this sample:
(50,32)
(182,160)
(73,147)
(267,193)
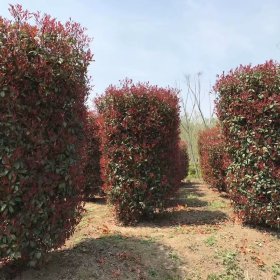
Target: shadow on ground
(186,217)
(188,207)
(192,187)
(187,202)
(109,257)
(264,229)
(97,199)
(188,195)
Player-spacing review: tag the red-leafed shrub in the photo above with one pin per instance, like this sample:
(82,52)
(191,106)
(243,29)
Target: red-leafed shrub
(213,158)
(43,87)
(139,143)
(92,169)
(183,160)
(248,107)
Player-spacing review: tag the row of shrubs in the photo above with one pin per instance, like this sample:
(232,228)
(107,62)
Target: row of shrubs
(213,157)
(51,146)
(243,157)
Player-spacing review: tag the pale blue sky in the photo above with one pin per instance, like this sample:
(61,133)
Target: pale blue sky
(162,40)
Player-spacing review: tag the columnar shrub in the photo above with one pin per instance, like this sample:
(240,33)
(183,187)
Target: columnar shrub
(183,160)
(139,143)
(92,169)
(43,87)
(213,157)
(249,110)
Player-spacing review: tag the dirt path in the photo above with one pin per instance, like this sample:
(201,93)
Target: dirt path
(196,238)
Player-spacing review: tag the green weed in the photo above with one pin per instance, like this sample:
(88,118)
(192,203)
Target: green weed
(210,241)
(152,272)
(216,205)
(232,269)
(276,270)
(173,256)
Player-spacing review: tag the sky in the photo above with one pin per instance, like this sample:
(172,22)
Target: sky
(162,41)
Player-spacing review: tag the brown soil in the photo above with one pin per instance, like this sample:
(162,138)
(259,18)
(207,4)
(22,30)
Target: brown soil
(198,237)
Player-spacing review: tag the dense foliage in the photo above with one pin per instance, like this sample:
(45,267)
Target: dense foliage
(43,88)
(213,157)
(139,143)
(249,110)
(183,160)
(92,169)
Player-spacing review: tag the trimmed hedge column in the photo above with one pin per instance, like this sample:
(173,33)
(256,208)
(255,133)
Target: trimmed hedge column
(213,158)
(249,110)
(43,88)
(183,160)
(140,142)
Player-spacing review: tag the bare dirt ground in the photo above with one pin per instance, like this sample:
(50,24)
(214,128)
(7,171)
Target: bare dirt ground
(198,237)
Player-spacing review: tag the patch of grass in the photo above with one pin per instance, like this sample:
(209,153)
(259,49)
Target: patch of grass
(232,269)
(210,241)
(276,271)
(192,200)
(180,230)
(173,256)
(193,276)
(173,278)
(192,172)
(83,224)
(79,239)
(115,237)
(213,276)
(230,262)
(192,196)
(152,272)
(148,241)
(216,205)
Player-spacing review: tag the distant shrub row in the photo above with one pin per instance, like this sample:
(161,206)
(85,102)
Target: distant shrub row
(92,170)
(213,158)
(249,111)
(139,128)
(183,160)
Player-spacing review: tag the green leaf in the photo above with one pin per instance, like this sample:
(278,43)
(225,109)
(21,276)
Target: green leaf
(3,207)
(38,255)
(11,209)
(62,185)
(4,173)
(32,263)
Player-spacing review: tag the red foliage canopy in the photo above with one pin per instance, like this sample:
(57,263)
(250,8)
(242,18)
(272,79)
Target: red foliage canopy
(139,143)
(43,88)
(213,157)
(248,107)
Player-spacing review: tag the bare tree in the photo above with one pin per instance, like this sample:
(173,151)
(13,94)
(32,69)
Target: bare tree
(189,120)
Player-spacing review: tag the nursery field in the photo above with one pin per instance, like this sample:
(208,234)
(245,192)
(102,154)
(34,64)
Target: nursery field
(57,151)
(197,237)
